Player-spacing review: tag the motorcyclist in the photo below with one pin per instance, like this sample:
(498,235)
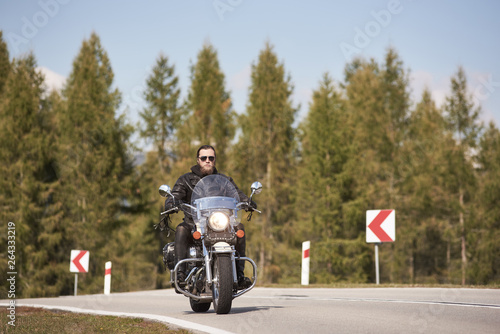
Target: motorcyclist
(182,192)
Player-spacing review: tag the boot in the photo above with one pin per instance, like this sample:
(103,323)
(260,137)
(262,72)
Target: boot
(243,282)
(181,275)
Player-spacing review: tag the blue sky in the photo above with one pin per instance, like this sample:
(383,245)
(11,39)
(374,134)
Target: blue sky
(310,37)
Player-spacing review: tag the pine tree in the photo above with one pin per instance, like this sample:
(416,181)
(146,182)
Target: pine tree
(4,63)
(462,118)
(485,253)
(322,159)
(424,205)
(211,118)
(323,187)
(94,166)
(378,105)
(161,119)
(265,152)
(162,114)
(27,176)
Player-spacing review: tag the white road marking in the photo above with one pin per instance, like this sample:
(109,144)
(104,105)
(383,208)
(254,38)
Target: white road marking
(376,300)
(168,320)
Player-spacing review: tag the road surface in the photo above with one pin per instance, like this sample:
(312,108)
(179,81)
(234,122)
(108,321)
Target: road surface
(307,310)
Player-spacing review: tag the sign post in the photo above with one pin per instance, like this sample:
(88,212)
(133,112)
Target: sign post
(306,245)
(377,272)
(380,227)
(79,263)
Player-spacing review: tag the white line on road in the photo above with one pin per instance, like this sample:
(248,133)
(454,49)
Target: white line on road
(161,318)
(375,300)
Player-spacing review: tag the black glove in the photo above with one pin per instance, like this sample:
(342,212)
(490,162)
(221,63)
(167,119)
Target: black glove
(172,203)
(249,206)
(163,224)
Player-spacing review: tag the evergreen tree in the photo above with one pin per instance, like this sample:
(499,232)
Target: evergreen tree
(94,166)
(161,119)
(323,149)
(265,152)
(485,253)
(211,118)
(323,187)
(424,205)
(28,178)
(162,114)
(364,106)
(378,105)
(4,63)
(462,118)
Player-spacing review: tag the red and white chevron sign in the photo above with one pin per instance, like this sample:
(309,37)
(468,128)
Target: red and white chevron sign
(79,261)
(380,226)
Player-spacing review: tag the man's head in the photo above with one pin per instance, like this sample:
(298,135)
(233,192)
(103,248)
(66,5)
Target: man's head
(205,158)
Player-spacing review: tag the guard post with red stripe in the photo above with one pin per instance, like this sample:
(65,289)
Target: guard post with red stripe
(380,227)
(306,245)
(107,278)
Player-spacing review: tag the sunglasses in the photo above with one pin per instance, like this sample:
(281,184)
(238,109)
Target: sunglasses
(204,158)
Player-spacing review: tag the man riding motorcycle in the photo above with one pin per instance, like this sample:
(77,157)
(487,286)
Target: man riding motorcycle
(182,192)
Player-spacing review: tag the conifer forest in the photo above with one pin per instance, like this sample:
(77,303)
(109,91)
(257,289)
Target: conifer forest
(75,176)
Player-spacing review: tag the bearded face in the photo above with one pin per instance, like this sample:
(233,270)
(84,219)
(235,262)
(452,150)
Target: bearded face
(206,161)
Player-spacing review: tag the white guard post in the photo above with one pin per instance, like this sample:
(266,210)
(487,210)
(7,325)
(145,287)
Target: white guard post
(306,245)
(107,278)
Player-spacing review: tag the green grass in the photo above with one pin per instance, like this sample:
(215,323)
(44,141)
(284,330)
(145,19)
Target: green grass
(37,320)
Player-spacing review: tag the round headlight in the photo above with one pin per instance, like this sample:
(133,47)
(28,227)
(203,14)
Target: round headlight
(218,221)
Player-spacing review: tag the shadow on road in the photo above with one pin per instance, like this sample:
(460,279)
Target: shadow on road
(240,310)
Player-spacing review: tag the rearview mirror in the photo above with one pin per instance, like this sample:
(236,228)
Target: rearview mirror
(256,187)
(164,190)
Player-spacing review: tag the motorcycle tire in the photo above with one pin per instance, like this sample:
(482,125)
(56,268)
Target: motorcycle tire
(222,287)
(198,306)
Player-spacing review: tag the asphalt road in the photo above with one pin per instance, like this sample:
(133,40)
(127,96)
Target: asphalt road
(307,310)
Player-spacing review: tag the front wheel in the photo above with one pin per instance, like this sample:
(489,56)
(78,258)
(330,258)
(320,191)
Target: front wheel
(198,306)
(222,287)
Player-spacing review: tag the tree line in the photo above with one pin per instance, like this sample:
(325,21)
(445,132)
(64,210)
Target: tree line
(69,179)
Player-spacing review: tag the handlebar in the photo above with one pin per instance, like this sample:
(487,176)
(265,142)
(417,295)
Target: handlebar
(174,209)
(181,206)
(250,208)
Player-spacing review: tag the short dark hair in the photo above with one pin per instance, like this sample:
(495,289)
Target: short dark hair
(205,147)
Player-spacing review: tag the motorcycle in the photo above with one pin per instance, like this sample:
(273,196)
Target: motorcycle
(211,263)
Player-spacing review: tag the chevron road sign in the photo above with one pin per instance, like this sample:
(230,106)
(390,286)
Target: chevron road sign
(380,226)
(79,261)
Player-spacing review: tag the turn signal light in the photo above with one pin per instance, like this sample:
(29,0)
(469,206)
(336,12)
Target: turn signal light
(240,233)
(196,235)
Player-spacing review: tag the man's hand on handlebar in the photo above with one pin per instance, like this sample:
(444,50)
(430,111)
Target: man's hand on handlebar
(252,206)
(172,205)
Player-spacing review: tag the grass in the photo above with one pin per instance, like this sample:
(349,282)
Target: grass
(37,320)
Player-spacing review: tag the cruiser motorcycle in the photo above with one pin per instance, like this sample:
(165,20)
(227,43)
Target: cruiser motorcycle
(211,263)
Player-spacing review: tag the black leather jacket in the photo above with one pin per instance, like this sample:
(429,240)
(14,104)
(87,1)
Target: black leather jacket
(183,190)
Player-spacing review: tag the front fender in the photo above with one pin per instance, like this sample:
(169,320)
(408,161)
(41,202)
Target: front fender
(222,247)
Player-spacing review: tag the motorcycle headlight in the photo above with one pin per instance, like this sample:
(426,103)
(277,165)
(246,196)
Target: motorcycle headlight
(218,221)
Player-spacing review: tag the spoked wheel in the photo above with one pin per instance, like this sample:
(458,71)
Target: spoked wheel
(222,287)
(198,306)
